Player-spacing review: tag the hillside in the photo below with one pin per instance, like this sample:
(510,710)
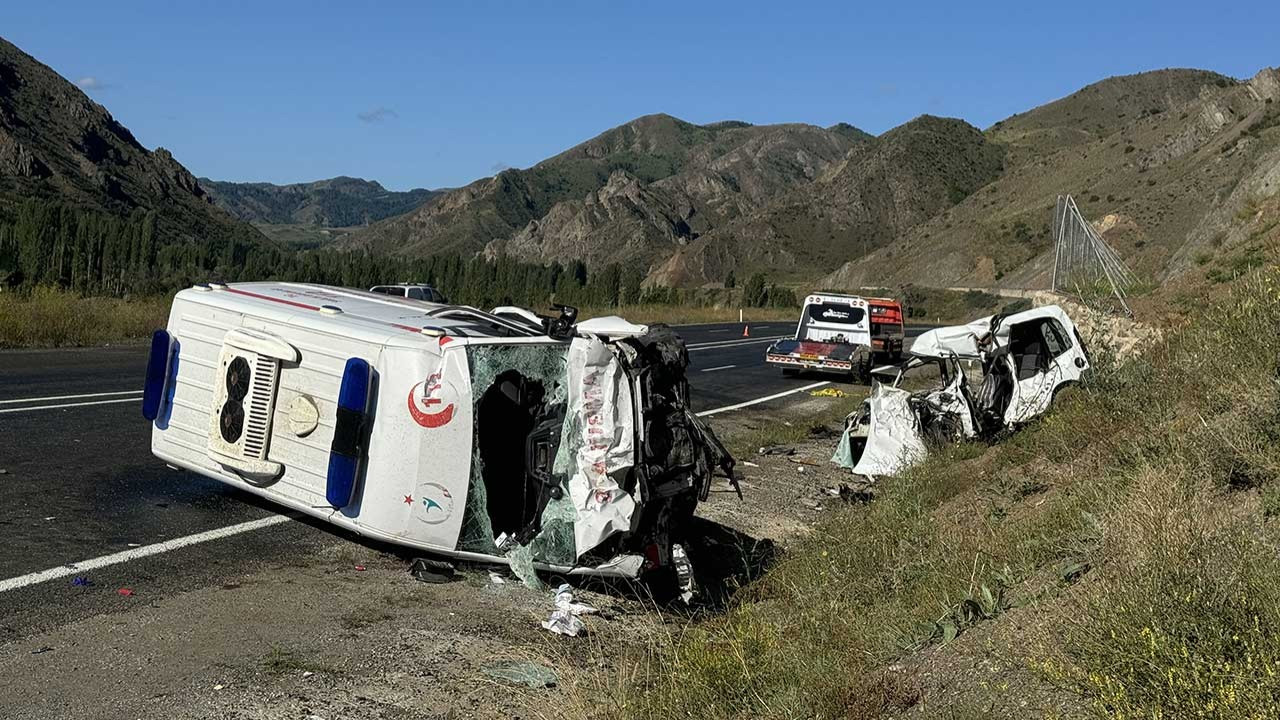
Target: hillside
(873,196)
(689,203)
(465,220)
(336,202)
(59,146)
(628,220)
(1166,163)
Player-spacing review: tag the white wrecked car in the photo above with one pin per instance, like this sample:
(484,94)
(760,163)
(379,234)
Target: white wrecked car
(1026,358)
(504,437)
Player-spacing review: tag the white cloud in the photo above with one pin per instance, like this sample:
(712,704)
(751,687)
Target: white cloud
(377,114)
(89,82)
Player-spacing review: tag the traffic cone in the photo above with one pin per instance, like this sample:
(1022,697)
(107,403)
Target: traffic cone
(746,331)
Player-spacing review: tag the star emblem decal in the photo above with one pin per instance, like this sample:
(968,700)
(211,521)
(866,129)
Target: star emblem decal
(408,499)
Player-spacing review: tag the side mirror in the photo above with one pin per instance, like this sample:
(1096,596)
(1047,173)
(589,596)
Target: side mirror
(1080,363)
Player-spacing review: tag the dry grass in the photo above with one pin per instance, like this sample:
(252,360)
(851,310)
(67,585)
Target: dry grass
(52,318)
(1125,529)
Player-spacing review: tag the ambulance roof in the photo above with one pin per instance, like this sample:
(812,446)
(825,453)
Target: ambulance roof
(367,315)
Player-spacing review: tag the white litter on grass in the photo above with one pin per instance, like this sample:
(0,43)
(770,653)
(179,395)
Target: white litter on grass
(496,578)
(564,619)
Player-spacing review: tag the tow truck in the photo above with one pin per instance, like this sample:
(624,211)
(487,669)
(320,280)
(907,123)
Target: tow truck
(841,334)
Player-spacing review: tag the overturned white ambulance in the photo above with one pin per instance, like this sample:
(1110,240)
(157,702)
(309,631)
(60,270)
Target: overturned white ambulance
(1026,358)
(499,436)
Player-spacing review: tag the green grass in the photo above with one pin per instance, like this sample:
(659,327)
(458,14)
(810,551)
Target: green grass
(53,318)
(1125,530)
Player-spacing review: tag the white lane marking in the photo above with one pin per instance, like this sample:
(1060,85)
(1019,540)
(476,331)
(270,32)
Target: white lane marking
(69,397)
(726,408)
(223,532)
(139,552)
(721,367)
(732,343)
(68,405)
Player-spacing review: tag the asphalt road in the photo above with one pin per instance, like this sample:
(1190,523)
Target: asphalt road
(79,482)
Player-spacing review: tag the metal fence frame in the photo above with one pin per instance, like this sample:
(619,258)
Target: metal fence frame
(1084,258)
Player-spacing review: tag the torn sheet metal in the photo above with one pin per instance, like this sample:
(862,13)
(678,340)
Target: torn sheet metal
(958,340)
(1027,358)
(893,441)
(611,326)
(600,404)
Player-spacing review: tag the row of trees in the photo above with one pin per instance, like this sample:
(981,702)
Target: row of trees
(94,253)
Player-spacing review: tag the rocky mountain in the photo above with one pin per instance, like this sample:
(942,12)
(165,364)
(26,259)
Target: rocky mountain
(689,203)
(57,144)
(647,149)
(1165,163)
(335,203)
(631,221)
(874,195)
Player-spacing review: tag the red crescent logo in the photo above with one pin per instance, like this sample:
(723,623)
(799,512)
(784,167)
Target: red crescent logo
(429,419)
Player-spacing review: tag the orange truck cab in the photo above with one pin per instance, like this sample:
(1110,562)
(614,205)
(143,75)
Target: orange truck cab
(887,330)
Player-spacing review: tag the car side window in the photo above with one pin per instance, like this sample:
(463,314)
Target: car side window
(436,296)
(1055,337)
(415,294)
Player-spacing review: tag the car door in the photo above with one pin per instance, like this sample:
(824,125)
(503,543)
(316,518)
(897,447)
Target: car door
(1043,358)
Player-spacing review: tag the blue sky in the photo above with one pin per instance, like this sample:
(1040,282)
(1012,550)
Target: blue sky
(435,95)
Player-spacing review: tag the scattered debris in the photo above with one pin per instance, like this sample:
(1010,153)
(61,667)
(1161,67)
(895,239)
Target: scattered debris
(218,687)
(231,586)
(823,432)
(777,450)
(134,545)
(802,461)
(307,673)
(125,592)
(51,517)
(564,619)
(526,673)
(496,578)
(748,463)
(829,392)
(432,571)
(41,650)
(81,581)
(3,471)
(359,568)
(863,493)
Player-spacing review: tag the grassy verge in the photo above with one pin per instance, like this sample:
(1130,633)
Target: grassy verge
(52,318)
(1122,543)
